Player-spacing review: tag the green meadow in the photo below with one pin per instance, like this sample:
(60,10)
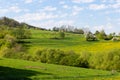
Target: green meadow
(14,69)
(72,42)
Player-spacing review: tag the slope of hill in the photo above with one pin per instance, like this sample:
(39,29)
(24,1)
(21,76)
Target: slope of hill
(72,42)
(13,69)
(5,21)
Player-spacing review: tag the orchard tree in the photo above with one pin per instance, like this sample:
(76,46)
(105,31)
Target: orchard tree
(90,36)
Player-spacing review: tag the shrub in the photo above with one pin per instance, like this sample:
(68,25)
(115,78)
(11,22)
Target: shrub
(69,59)
(108,60)
(10,41)
(83,60)
(21,33)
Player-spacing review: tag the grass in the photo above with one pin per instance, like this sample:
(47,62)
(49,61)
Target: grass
(72,42)
(13,69)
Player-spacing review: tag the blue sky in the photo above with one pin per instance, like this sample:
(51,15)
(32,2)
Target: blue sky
(92,14)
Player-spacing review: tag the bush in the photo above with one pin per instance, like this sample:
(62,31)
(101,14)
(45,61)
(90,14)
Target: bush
(10,41)
(107,60)
(69,59)
(49,55)
(21,33)
(83,60)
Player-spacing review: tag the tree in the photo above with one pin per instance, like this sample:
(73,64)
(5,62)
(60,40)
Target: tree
(62,35)
(102,35)
(21,33)
(78,31)
(90,36)
(55,29)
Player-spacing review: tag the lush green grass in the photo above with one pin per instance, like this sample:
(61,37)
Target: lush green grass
(72,42)
(13,69)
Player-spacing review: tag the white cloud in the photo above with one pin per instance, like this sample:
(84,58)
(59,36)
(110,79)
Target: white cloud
(117,5)
(118,1)
(62,2)
(104,1)
(76,10)
(97,7)
(111,1)
(15,9)
(63,15)
(107,27)
(3,11)
(49,8)
(99,27)
(82,1)
(66,7)
(52,23)
(113,11)
(28,1)
(45,20)
(35,17)
(40,1)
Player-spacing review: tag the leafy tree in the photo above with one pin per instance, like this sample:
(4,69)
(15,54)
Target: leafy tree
(62,35)
(21,33)
(78,31)
(102,35)
(90,36)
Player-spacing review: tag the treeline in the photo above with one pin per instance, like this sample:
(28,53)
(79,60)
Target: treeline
(68,28)
(101,35)
(11,23)
(107,60)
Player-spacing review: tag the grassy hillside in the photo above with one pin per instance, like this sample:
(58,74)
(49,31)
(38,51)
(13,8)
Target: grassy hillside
(72,42)
(13,69)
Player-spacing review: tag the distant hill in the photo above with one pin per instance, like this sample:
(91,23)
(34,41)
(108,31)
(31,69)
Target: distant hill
(5,21)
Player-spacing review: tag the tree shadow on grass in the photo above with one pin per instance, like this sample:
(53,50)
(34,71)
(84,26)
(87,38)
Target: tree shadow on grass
(7,73)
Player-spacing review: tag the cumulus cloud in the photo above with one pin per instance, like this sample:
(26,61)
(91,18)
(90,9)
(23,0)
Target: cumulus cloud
(14,9)
(62,2)
(117,5)
(76,10)
(49,8)
(52,23)
(40,1)
(66,7)
(97,6)
(111,1)
(35,17)
(28,1)
(107,27)
(82,1)
(3,11)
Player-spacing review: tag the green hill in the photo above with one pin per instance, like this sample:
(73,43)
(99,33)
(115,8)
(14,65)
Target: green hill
(40,45)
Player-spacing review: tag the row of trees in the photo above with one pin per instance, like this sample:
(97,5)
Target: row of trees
(68,28)
(100,35)
(107,60)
